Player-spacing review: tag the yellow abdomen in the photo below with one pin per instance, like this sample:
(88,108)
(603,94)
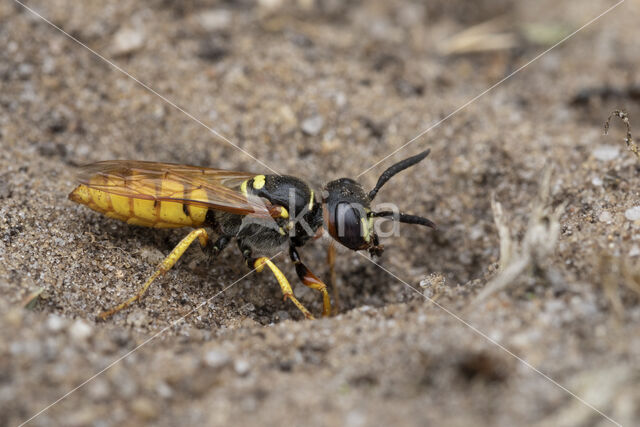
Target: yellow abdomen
(146,212)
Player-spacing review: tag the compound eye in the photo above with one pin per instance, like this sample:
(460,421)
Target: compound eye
(348,226)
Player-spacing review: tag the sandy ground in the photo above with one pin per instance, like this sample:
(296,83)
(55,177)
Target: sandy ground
(323,89)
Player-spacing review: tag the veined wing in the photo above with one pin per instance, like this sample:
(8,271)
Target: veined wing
(191,185)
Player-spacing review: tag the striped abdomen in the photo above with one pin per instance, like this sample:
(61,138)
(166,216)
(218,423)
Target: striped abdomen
(147,212)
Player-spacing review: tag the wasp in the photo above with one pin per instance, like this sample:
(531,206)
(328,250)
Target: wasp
(261,213)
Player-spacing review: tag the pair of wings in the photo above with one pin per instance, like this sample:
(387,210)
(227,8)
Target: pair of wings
(168,182)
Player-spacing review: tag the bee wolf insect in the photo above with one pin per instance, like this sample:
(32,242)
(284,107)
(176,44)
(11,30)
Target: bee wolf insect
(259,212)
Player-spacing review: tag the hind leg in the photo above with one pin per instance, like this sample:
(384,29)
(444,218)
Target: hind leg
(163,267)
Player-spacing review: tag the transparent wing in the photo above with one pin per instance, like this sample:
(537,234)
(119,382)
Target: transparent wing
(191,185)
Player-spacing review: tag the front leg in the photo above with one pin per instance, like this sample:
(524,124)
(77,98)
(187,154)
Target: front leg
(163,267)
(259,263)
(311,280)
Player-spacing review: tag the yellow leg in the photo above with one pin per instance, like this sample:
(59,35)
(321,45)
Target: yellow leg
(311,280)
(163,267)
(283,282)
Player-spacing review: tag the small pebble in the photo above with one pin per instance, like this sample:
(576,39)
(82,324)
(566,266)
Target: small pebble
(55,323)
(270,4)
(80,331)
(127,41)
(241,367)
(144,408)
(215,20)
(25,70)
(282,315)
(606,152)
(216,359)
(164,390)
(287,116)
(312,125)
(635,251)
(632,214)
(606,217)
(341,99)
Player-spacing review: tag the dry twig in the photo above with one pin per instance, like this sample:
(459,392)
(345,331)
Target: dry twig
(631,145)
(539,242)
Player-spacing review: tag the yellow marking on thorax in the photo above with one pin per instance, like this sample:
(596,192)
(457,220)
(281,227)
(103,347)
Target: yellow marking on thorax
(258,181)
(311,201)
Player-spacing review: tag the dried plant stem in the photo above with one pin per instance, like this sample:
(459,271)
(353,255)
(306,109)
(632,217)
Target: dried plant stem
(539,242)
(631,145)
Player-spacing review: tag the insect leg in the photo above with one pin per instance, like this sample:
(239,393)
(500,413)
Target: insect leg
(311,280)
(163,267)
(214,249)
(331,260)
(259,263)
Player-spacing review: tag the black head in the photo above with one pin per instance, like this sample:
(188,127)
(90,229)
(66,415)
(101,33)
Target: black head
(347,209)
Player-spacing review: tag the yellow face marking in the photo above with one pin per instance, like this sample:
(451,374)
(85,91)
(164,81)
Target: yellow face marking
(258,181)
(243,187)
(284,213)
(311,201)
(366,230)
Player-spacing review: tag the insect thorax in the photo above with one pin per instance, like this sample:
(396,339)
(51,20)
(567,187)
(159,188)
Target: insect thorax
(303,212)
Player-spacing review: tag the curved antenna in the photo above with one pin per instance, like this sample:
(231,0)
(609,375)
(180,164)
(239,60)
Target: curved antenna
(406,218)
(398,167)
